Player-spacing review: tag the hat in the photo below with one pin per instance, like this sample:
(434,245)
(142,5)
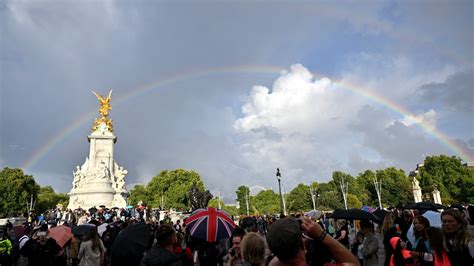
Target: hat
(284,238)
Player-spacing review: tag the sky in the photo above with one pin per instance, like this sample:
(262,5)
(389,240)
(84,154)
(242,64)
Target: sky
(235,89)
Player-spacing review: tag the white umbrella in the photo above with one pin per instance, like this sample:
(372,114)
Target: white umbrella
(101,229)
(434,218)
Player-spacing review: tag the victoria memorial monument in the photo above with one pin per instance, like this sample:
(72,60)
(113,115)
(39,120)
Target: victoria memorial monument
(100,180)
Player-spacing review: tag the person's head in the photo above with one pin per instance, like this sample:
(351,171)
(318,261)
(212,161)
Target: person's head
(340,223)
(420,224)
(436,240)
(454,228)
(93,236)
(253,249)
(237,236)
(177,222)
(166,236)
(387,222)
(366,227)
(407,216)
(284,238)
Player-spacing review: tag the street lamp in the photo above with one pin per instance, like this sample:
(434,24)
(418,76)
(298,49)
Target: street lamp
(278,176)
(314,196)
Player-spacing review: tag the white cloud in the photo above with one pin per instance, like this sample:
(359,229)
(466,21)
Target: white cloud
(428,118)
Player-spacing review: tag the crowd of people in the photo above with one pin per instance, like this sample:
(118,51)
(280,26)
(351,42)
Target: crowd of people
(102,237)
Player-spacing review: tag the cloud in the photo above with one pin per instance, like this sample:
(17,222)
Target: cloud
(428,118)
(455,94)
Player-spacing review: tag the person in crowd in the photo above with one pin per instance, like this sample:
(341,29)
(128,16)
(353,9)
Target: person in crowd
(370,245)
(23,248)
(177,226)
(421,245)
(253,249)
(286,242)
(5,249)
(44,249)
(389,230)
(162,253)
(456,238)
(401,255)
(234,257)
(438,255)
(92,250)
(182,251)
(342,233)
(404,222)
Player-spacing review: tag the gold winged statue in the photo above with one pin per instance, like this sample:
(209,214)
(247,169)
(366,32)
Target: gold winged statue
(104,111)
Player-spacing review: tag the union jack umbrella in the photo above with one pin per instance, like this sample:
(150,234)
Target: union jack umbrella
(210,224)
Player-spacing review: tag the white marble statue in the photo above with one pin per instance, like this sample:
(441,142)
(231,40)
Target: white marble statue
(416,190)
(78,178)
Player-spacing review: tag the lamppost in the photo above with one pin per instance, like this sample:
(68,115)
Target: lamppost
(314,196)
(378,189)
(278,176)
(344,191)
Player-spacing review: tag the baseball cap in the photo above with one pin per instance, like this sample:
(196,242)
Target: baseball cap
(284,238)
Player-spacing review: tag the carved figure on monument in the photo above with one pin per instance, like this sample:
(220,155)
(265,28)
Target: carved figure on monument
(104,111)
(199,199)
(102,171)
(78,178)
(416,190)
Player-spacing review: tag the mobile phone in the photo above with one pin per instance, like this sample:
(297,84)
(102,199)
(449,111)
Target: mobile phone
(232,252)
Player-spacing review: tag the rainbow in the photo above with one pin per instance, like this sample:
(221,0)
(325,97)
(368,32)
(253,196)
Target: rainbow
(250,69)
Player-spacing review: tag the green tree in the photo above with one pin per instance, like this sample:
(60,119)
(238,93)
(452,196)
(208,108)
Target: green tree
(48,199)
(243,192)
(16,190)
(137,194)
(174,187)
(330,196)
(230,210)
(299,199)
(454,181)
(396,186)
(266,202)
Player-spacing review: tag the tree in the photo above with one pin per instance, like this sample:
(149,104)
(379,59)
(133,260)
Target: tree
(453,180)
(230,210)
(48,199)
(299,199)
(266,201)
(330,196)
(396,186)
(243,192)
(16,190)
(173,187)
(137,194)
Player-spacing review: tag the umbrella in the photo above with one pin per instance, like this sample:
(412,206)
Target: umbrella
(380,213)
(132,240)
(102,228)
(367,209)
(92,210)
(82,229)
(425,205)
(354,214)
(19,231)
(210,224)
(61,234)
(433,217)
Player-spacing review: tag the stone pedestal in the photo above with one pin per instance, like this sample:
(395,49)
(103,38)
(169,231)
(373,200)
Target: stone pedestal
(100,180)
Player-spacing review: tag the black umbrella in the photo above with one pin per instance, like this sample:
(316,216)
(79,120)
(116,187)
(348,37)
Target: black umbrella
(380,213)
(425,205)
(82,229)
(354,214)
(132,240)
(92,210)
